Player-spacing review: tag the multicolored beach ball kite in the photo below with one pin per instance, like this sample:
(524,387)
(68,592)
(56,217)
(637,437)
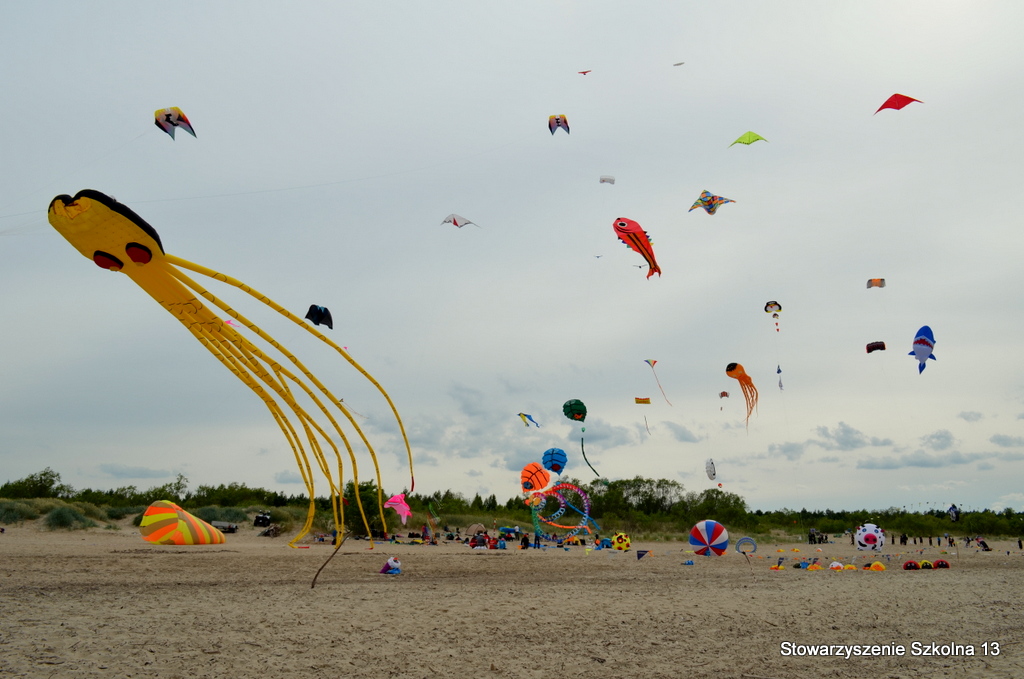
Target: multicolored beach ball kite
(709,537)
(165,523)
(621,542)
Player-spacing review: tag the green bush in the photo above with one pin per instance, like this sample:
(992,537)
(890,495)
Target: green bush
(117,513)
(90,510)
(67,518)
(16,512)
(233,515)
(207,514)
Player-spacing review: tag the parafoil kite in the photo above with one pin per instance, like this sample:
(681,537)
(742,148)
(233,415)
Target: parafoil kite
(710,202)
(748,138)
(954,513)
(651,362)
(773,308)
(645,401)
(709,468)
(575,410)
(606,179)
(736,371)
(778,371)
(527,419)
(634,236)
(709,537)
(165,523)
(897,101)
(723,394)
(869,537)
(115,238)
(876,283)
(458,220)
(170,119)
(584,72)
(554,460)
(401,507)
(875,346)
(924,343)
(320,315)
(555,122)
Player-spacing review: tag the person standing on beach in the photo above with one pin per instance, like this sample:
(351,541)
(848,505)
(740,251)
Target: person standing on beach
(536,540)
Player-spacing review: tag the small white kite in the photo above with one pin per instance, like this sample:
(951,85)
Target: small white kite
(458,220)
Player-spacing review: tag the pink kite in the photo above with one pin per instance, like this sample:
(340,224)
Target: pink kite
(398,503)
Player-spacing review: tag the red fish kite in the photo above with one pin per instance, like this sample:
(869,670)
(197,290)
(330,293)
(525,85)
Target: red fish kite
(897,101)
(633,235)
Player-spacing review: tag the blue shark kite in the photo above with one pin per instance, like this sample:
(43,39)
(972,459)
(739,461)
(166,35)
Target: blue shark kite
(924,343)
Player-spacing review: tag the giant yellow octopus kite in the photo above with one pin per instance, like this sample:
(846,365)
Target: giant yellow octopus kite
(115,238)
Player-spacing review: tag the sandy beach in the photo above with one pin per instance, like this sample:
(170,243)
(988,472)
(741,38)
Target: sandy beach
(104,603)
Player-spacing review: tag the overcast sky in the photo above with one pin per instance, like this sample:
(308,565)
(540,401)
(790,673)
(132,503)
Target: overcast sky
(334,138)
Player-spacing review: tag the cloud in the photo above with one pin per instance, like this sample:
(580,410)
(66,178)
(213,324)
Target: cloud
(1007,441)
(288,477)
(939,440)
(790,450)
(681,433)
(971,416)
(472,402)
(122,471)
(845,437)
(474,472)
(922,459)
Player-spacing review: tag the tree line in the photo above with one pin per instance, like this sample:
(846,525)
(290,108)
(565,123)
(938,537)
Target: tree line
(639,505)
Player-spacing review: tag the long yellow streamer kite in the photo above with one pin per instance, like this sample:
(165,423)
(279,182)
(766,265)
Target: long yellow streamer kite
(115,238)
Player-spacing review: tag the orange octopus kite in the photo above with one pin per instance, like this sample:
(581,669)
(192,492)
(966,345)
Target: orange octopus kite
(736,371)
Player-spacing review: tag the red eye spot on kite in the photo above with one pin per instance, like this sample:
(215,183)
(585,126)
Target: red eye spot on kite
(105,261)
(138,253)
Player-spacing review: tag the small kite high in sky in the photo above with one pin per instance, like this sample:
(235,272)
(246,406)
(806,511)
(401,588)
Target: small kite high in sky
(320,315)
(773,308)
(606,179)
(634,236)
(527,419)
(875,346)
(458,220)
(555,122)
(898,101)
(169,119)
(876,283)
(710,202)
(642,401)
(583,72)
(651,362)
(709,469)
(924,344)
(748,138)
(736,371)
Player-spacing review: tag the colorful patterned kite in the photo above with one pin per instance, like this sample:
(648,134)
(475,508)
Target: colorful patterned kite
(320,315)
(555,122)
(924,344)
(633,235)
(645,401)
(773,308)
(710,202)
(748,138)
(898,101)
(169,119)
(736,371)
(534,478)
(458,220)
(709,537)
(115,238)
(575,410)
(165,523)
(527,420)
(651,362)
(876,283)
